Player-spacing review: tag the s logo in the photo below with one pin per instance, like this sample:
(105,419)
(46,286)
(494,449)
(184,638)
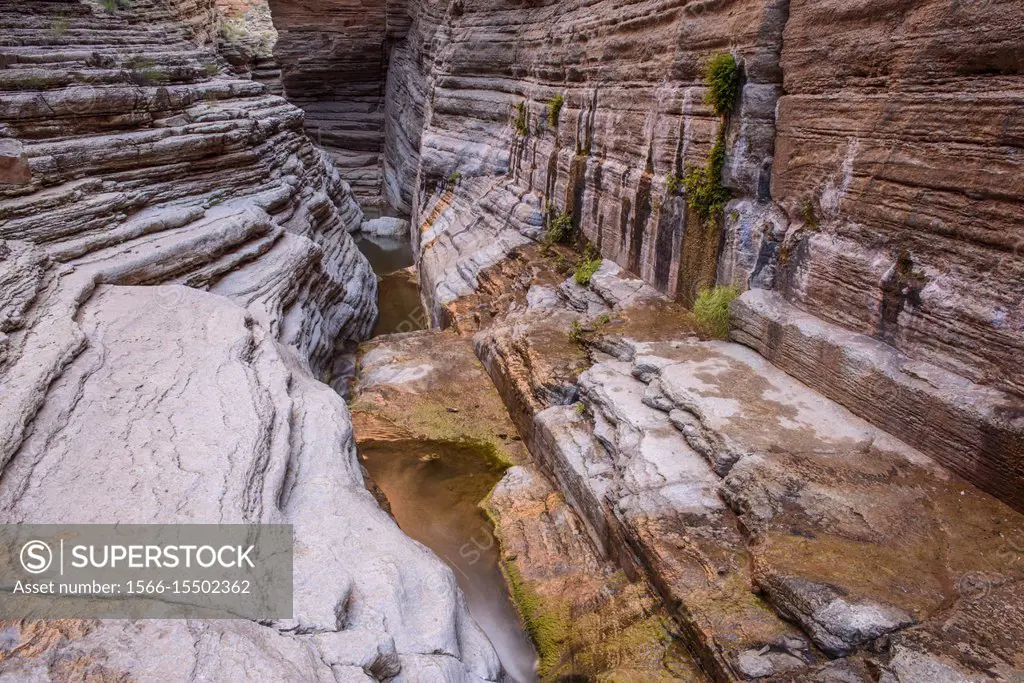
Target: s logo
(36,557)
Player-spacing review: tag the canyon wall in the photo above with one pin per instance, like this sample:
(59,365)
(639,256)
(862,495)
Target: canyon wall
(176,275)
(334,59)
(873,158)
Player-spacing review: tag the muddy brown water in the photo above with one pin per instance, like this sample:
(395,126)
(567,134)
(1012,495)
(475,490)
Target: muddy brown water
(434,488)
(398,296)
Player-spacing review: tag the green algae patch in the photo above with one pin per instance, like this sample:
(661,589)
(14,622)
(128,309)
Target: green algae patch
(546,620)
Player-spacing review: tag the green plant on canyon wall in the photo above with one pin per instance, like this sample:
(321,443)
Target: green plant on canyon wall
(586,268)
(520,121)
(559,229)
(722,80)
(673,183)
(554,109)
(705,192)
(711,309)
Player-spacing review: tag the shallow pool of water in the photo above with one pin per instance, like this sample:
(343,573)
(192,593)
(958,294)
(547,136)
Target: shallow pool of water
(398,295)
(385,254)
(434,488)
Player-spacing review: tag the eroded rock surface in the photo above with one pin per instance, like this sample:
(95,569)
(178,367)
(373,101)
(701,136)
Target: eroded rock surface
(792,539)
(872,155)
(177,274)
(587,618)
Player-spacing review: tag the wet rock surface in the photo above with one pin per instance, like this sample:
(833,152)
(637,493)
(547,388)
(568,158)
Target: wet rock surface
(585,615)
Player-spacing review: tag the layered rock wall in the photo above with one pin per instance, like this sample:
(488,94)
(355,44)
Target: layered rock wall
(873,156)
(176,273)
(334,59)
(901,130)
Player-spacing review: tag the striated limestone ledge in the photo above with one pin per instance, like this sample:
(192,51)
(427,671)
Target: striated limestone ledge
(791,539)
(976,431)
(176,275)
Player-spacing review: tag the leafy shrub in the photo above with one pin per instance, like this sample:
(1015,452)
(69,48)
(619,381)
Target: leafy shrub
(705,193)
(722,80)
(673,183)
(554,109)
(585,270)
(576,331)
(520,122)
(211,68)
(454,178)
(712,310)
(560,229)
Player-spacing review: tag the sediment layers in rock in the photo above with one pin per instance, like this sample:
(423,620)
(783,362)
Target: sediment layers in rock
(141,174)
(882,192)
(632,113)
(333,56)
(751,502)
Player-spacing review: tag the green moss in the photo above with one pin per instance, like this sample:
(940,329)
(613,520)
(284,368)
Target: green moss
(722,80)
(454,178)
(436,422)
(585,270)
(554,109)
(520,122)
(544,622)
(113,5)
(712,310)
(705,192)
